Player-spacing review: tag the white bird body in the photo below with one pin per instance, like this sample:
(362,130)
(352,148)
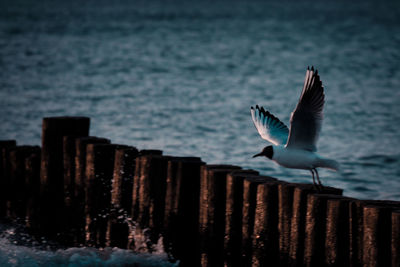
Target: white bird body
(300,159)
(294,158)
(296,147)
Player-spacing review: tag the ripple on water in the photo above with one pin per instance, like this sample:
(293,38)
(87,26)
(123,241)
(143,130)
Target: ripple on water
(197,68)
(361,189)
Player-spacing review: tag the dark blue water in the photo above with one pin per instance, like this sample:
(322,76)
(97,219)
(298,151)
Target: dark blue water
(181,77)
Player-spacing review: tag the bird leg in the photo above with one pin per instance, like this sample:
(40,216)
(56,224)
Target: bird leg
(319,182)
(313,178)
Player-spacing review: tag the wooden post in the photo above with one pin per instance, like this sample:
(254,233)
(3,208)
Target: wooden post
(5,146)
(315,232)
(136,182)
(396,238)
(80,165)
(69,231)
(265,248)
(181,210)
(356,214)
(154,152)
(69,153)
(80,185)
(356,233)
(250,185)
(298,220)
(32,176)
(285,207)
(233,215)
(337,242)
(119,226)
(51,173)
(377,236)
(212,213)
(152,189)
(99,173)
(124,170)
(18,188)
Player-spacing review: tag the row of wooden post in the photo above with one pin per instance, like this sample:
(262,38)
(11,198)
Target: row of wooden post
(83,190)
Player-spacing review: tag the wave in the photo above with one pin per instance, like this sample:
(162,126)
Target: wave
(32,253)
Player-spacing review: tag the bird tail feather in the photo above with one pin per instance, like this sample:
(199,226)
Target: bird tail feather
(329,164)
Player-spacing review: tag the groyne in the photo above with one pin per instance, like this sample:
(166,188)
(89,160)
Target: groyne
(81,190)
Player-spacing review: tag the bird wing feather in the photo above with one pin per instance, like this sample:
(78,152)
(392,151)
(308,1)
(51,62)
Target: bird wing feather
(306,119)
(269,127)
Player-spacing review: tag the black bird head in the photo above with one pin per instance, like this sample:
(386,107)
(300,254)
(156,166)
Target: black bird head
(268,152)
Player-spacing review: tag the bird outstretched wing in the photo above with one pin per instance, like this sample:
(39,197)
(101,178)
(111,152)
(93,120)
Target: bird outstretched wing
(269,127)
(306,119)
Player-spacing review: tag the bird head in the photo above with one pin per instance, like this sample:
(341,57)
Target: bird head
(268,152)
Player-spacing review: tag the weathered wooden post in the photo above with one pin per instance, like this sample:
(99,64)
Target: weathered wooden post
(356,214)
(99,173)
(377,236)
(5,146)
(337,241)
(298,220)
(32,176)
(80,165)
(69,232)
(250,185)
(69,153)
(154,152)
(233,215)
(356,233)
(315,231)
(80,185)
(18,188)
(119,226)
(51,173)
(285,207)
(136,182)
(181,209)
(396,238)
(151,197)
(212,213)
(265,247)
(124,170)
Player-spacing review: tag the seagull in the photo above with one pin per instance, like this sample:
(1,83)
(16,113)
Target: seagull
(296,147)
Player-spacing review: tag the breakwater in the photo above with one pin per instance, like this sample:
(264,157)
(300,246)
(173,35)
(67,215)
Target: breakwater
(83,190)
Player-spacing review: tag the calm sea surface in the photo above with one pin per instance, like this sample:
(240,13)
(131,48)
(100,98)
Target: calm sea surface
(181,77)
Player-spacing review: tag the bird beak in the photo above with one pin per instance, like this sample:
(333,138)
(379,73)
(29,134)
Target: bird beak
(258,155)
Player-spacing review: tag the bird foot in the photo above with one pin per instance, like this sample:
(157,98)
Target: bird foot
(318,188)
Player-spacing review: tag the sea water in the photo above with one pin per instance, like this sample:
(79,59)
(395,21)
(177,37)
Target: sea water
(19,248)
(181,76)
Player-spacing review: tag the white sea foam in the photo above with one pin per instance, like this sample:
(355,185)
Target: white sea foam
(14,255)
(20,249)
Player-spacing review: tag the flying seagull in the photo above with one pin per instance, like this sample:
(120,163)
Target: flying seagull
(296,147)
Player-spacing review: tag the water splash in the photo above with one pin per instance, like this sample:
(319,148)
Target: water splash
(13,255)
(139,239)
(18,248)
